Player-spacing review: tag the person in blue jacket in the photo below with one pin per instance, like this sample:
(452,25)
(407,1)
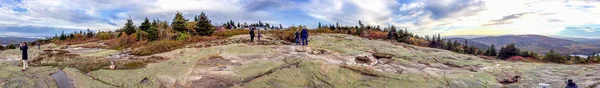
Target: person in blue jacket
(304,36)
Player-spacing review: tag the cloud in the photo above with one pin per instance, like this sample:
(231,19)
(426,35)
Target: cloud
(440,9)
(505,19)
(582,31)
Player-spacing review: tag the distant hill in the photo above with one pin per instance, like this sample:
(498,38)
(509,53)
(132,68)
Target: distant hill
(585,40)
(15,40)
(540,44)
(471,43)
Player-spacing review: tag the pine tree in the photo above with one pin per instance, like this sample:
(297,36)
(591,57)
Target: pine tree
(90,33)
(129,28)
(508,51)
(63,36)
(280,27)
(491,51)
(11,46)
(203,26)
(319,25)
(152,33)
(555,57)
(145,25)
(179,22)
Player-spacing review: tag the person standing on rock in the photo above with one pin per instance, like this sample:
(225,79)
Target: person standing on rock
(304,36)
(571,84)
(251,34)
(258,35)
(24,48)
(297,33)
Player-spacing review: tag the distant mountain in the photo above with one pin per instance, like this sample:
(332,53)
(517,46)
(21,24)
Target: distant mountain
(471,43)
(585,40)
(465,36)
(15,40)
(540,44)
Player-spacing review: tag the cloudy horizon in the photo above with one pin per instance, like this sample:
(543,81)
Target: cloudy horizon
(568,18)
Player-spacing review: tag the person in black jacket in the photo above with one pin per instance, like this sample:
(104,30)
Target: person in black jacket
(571,84)
(297,33)
(24,48)
(252,34)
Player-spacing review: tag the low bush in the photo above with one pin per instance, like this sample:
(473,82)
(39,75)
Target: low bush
(286,35)
(104,36)
(229,33)
(158,47)
(196,39)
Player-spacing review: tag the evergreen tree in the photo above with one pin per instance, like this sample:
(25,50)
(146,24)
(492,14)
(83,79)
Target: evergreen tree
(319,25)
(554,57)
(145,25)
(508,51)
(491,51)
(179,22)
(154,23)
(129,28)
(1,47)
(203,26)
(90,33)
(280,27)
(152,33)
(11,46)
(63,36)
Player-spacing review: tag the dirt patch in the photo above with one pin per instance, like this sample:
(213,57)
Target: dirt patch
(383,55)
(508,78)
(151,59)
(214,61)
(210,82)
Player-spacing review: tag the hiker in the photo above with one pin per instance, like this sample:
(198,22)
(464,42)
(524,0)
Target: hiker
(251,34)
(304,36)
(24,48)
(570,84)
(258,35)
(297,33)
(38,44)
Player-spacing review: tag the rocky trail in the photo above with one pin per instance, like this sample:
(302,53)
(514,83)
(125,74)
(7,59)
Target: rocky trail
(330,61)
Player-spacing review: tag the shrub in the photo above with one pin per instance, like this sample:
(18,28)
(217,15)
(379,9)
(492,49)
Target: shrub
(229,33)
(555,57)
(196,39)
(158,47)
(104,36)
(373,34)
(183,36)
(286,35)
(123,41)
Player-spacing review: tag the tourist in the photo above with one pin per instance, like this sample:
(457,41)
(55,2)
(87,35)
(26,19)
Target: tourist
(571,84)
(297,33)
(251,34)
(304,36)
(258,35)
(24,48)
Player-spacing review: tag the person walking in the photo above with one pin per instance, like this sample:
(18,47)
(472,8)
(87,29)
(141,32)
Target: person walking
(297,33)
(251,34)
(23,47)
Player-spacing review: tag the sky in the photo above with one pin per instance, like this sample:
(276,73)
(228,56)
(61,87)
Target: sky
(568,18)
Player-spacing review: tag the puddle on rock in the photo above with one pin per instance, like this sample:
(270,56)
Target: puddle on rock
(62,80)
